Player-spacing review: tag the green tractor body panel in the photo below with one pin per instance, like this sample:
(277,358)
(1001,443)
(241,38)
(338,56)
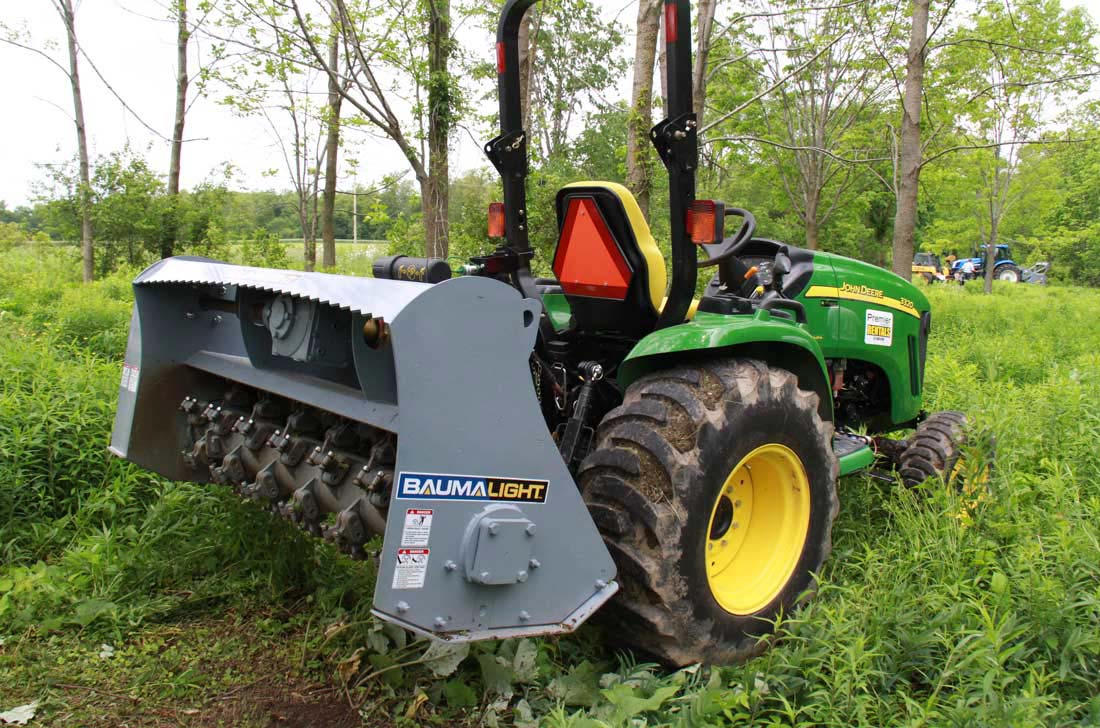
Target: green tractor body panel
(855,311)
(856,461)
(874,316)
(557,308)
(712,333)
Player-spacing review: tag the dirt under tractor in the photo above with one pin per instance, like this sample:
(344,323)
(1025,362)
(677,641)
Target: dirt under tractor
(532,451)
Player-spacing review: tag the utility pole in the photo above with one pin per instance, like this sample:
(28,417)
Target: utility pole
(355,215)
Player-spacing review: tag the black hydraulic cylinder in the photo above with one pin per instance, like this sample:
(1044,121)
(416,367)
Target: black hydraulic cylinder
(407,268)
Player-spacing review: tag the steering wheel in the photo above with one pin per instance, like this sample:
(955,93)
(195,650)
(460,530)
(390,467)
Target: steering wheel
(733,244)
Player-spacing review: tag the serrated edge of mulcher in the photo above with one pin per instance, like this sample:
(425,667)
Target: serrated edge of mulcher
(368,296)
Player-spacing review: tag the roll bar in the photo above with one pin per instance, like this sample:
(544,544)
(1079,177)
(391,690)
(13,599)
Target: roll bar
(675,139)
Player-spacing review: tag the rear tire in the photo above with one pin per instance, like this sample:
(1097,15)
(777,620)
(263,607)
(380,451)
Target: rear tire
(1008,273)
(666,485)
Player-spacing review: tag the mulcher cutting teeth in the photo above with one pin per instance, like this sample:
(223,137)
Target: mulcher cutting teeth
(322,492)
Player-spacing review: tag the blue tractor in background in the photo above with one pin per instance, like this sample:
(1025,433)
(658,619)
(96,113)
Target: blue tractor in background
(1004,268)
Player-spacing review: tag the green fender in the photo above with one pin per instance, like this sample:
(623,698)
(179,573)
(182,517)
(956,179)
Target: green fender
(774,339)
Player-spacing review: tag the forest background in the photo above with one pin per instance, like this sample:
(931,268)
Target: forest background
(367,104)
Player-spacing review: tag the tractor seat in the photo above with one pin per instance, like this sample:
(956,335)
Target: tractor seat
(606,261)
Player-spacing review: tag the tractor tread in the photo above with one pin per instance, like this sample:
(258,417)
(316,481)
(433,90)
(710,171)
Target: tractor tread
(645,410)
(646,462)
(934,448)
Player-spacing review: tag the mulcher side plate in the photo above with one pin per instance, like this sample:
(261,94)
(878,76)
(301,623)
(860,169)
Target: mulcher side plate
(263,380)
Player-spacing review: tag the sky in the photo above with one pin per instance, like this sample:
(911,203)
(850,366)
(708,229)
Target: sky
(135,51)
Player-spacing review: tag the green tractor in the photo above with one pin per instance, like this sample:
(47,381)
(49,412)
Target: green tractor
(533,451)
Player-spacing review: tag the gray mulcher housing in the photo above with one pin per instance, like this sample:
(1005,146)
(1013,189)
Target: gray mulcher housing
(508,548)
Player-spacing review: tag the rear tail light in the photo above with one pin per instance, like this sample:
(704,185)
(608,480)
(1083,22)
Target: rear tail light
(672,23)
(496,219)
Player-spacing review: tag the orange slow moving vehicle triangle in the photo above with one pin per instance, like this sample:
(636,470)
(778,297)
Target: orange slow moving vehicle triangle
(588,262)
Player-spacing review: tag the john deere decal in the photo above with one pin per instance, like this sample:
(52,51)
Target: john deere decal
(866,294)
(471,488)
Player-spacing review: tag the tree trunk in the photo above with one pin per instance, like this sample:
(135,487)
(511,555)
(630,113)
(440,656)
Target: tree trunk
(435,190)
(706,26)
(435,234)
(995,211)
(991,249)
(662,58)
(168,243)
(84,193)
(527,52)
(812,232)
(332,149)
(309,233)
(905,219)
(307,216)
(638,148)
(812,216)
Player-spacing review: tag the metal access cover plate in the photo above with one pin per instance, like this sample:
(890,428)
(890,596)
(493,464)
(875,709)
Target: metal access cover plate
(499,549)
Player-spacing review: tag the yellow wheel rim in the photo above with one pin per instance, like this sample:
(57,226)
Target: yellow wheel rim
(758,528)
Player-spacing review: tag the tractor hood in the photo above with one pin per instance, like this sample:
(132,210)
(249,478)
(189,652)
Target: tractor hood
(856,280)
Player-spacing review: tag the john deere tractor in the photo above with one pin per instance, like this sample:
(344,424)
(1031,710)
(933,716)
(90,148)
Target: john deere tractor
(533,451)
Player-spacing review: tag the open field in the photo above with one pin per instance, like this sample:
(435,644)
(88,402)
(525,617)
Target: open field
(353,258)
(125,599)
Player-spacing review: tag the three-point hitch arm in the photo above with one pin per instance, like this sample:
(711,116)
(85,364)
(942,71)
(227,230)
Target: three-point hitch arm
(675,139)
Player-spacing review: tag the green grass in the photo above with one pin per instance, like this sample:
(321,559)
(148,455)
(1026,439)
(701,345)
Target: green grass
(219,615)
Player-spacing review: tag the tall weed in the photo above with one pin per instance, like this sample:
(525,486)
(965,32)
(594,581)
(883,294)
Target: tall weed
(923,618)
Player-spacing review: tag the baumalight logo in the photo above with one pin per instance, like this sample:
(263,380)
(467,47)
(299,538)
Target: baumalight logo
(471,488)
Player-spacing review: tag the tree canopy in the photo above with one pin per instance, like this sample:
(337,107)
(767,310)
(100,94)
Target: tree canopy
(802,122)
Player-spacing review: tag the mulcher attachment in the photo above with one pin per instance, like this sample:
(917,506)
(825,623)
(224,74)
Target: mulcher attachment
(359,407)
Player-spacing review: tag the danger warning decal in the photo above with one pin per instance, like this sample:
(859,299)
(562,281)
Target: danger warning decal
(418,527)
(471,488)
(411,568)
(880,328)
(130,374)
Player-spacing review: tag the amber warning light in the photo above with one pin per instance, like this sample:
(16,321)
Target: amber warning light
(706,221)
(496,219)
